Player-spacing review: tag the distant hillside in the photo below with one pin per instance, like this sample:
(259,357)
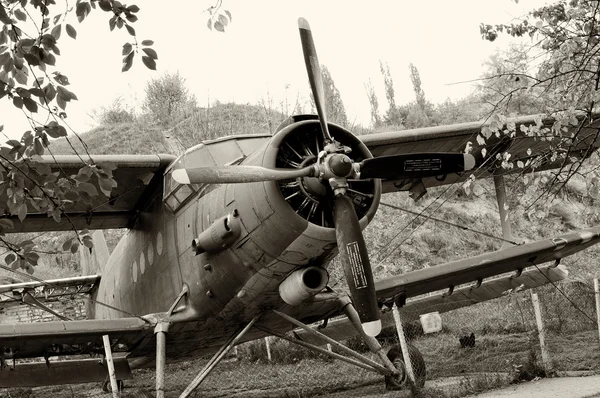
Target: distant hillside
(145,137)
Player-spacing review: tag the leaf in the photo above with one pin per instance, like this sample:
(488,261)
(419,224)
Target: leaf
(224,21)
(209,24)
(112,23)
(228,15)
(105,186)
(147,42)
(6,223)
(127,47)
(127,62)
(4,57)
(149,62)
(88,188)
(18,102)
(75,247)
(219,26)
(130,29)
(32,258)
(56,31)
(67,244)
(3,16)
(71,31)
(11,257)
(87,242)
(62,79)
(133,8)
(66,94)
(105,5)
(20,15)
(151,53)
(49,92)
(22,211)
(30,104)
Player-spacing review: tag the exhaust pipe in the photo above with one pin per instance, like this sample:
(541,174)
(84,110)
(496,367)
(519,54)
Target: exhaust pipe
(303,284)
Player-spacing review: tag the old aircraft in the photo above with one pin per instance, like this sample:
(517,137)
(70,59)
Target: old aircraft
(231,242)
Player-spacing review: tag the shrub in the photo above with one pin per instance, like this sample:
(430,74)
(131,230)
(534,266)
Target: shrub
(115,113)
(168,100)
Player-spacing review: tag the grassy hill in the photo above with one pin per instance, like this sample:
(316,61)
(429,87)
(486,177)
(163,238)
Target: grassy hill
(398,241)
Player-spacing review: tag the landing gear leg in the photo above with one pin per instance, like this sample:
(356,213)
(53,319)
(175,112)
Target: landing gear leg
(216,359)
(160,331)
(398,368)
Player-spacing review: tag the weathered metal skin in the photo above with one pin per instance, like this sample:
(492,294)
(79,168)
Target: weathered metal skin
(227,287)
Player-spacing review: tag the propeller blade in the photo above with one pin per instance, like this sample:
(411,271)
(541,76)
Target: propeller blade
(357,267)
(238,174)
(416,165)
(315,77)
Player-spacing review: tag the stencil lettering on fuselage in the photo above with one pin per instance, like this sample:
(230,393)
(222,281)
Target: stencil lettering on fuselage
(356,265)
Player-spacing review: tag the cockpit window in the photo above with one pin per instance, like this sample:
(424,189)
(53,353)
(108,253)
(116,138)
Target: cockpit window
(223,151)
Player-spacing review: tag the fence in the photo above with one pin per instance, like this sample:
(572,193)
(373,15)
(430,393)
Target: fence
(550,331)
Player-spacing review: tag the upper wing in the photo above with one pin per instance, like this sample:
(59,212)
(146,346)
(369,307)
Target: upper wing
(455,138)
(138,178)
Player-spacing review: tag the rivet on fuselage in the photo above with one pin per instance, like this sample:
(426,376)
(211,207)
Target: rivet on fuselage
(209,293)
(208,267)
(241,293)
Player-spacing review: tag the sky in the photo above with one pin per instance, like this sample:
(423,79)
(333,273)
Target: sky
(259,55)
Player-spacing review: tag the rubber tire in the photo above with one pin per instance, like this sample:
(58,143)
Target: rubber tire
(418,365)
(106,385)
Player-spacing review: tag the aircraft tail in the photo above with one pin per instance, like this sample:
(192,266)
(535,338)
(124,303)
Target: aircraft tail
(92,261)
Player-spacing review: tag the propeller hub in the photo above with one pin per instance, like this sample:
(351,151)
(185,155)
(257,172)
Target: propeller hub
(340,165)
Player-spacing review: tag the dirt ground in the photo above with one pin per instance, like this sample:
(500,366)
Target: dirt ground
(560,387)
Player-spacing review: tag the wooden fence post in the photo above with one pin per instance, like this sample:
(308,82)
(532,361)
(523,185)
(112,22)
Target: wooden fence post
(541,332)
(111,367)
(268,344)
(403,345)
(597,294)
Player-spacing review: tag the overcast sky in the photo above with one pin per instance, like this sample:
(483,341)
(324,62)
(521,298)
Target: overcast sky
(260,53)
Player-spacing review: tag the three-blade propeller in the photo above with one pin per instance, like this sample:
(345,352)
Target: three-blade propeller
(350,240)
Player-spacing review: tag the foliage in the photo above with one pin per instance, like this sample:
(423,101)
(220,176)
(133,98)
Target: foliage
(566,81)
(168,99)
(334,106)
(115,113)
(30,79)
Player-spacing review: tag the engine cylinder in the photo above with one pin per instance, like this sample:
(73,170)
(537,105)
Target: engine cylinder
(303,284)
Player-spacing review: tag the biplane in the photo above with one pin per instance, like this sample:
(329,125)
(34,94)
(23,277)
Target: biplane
(231,242)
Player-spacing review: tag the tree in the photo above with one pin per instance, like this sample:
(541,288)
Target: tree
(168,99)
(374,104)
(334,106)
(567,81)
(393,116)
(504,83)
(30,34)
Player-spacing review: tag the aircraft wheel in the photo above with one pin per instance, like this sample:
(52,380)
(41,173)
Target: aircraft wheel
(106,385)
(418,365)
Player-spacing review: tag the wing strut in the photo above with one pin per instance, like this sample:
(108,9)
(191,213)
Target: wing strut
(504,210)
(233,340)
